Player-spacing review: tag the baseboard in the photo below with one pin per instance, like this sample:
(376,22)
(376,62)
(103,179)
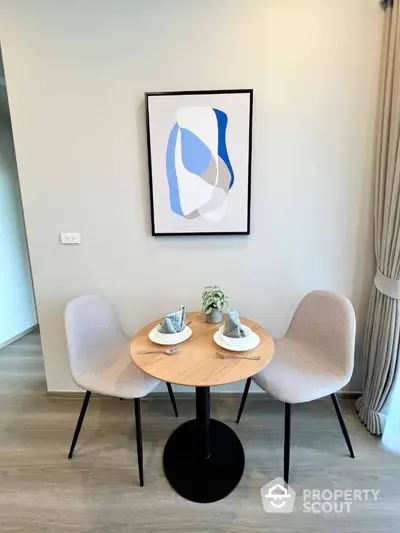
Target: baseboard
(345,395)
(19,336)
(349,395)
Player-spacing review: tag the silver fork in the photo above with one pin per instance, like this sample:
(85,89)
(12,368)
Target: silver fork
(226,356)
(171,351)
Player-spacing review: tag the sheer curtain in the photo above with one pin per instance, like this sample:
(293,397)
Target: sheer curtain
(391,433)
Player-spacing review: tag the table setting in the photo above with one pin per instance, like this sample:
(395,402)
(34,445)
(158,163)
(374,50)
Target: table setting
(203,458)
(232,336)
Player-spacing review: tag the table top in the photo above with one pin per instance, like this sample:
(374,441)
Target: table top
(196,363)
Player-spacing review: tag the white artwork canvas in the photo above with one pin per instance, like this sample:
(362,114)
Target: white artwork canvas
(199,146)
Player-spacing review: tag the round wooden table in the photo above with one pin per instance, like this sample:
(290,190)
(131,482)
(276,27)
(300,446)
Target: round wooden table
(203,458)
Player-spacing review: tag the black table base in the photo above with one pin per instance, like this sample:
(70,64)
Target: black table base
(203,458)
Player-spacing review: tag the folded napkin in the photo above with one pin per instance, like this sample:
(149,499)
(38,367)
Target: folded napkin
(174,322)
(233,328)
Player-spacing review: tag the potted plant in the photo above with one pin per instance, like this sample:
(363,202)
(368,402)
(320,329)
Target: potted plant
(214,303)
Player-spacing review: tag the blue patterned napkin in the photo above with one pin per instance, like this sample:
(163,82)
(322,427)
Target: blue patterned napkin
(174,322)
(233,328)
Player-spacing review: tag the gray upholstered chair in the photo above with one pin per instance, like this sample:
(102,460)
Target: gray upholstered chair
(100,362)
(313,360)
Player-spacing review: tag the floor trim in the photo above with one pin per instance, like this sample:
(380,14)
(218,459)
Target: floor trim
(18,336)
(345,395)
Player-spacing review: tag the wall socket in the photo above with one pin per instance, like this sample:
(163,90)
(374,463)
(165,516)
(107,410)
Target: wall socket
(70,238)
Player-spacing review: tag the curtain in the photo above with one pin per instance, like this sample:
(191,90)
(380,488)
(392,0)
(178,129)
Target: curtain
(382,335)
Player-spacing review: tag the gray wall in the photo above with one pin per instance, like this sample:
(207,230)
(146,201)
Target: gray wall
(17,307)
(3,92)
(76,74)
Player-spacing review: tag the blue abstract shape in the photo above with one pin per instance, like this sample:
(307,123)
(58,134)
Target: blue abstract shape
(174,199)
(193,158)
(196,155)
(222,119)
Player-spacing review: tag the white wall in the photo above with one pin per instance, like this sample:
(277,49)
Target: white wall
(17,308)
(76,74)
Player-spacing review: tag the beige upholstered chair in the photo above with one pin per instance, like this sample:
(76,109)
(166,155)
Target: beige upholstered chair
(100,362)
(314,359)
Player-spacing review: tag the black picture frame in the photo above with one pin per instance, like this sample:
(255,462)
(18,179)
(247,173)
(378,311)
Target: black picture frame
(149,95)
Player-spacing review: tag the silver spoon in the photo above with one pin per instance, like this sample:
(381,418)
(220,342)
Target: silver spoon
(226,356)
(171,351)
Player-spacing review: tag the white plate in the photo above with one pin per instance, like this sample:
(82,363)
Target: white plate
(166,339)
(251,341)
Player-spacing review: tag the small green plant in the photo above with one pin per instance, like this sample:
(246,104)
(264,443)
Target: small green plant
(214,298)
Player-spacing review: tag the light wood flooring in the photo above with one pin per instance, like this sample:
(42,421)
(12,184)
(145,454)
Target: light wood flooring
(97,491)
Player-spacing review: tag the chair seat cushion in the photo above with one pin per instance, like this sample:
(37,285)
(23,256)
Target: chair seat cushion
(295,375)
(118,376)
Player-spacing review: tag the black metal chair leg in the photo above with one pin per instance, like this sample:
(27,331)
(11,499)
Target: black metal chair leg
(172,398)
(342,424)
(244,398)
(80,422)
(139,445)
(286,456)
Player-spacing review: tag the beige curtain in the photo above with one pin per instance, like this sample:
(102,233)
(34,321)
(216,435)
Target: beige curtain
(381,343)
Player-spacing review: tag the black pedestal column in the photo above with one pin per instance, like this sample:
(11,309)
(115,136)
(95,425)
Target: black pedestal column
(203,458)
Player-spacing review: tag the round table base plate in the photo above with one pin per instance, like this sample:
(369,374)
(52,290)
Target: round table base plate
(203,480)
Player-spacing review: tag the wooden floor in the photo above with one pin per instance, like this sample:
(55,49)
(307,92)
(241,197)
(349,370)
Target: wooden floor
(97,491)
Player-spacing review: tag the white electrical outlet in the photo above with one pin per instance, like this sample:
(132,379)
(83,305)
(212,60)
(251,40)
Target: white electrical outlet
(70,238)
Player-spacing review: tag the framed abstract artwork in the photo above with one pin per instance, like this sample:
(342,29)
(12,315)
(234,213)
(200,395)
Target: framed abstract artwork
(199,149)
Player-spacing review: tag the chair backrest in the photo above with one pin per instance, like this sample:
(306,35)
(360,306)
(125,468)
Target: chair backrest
(93,332)
(326,321)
